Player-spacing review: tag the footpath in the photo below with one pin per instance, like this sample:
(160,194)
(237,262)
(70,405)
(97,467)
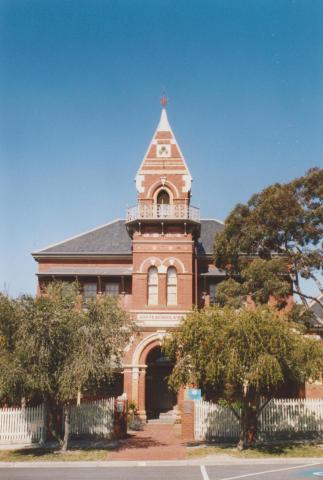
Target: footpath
(155,442)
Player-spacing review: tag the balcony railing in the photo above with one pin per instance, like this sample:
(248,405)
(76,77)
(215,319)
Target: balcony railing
(169,212)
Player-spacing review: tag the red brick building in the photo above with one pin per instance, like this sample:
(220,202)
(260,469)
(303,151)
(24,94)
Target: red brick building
(158,260)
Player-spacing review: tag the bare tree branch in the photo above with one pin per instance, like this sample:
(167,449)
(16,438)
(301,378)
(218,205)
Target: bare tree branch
(308,296)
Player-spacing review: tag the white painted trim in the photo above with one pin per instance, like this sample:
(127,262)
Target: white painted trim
(77,236)
(153,262)
(154,259)
(159,335)
(166,189)
(176,143)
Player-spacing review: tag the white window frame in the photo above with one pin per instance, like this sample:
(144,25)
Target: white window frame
(152,283)
(171,286)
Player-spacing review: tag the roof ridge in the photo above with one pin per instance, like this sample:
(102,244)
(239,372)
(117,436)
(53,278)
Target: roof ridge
(77,236)
(213,220)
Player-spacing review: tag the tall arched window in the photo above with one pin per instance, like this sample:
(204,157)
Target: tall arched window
(163,198)
(153,286)
(171,286)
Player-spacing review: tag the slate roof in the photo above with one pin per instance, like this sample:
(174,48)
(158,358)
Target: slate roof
(113,239)
(209,228)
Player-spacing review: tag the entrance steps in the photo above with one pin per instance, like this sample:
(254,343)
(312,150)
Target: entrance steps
(170,417)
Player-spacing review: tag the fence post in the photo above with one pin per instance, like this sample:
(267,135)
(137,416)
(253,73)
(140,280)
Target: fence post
(43,433)
(120,417)
(188,416)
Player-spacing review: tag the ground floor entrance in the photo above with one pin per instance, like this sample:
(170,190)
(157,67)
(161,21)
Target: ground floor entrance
(159,398)
(146,372)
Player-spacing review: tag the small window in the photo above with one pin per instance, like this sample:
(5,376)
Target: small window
(171,286)
(112,289)
(89,291)
(153,286)
(212,290)
(163,198)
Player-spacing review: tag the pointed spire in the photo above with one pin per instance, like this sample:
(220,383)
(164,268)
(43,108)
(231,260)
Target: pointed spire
(163,125)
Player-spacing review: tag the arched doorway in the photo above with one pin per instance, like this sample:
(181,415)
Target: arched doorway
(159,398)
(163,198)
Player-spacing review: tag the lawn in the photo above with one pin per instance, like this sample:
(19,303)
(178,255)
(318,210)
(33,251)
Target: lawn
(278,450)
(50,454)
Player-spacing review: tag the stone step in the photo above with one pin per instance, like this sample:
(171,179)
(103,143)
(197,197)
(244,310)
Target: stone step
(168,421)
(170,417)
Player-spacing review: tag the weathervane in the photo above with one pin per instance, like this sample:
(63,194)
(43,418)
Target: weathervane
(164,100)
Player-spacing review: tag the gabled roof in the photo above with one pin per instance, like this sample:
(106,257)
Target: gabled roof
(113,239)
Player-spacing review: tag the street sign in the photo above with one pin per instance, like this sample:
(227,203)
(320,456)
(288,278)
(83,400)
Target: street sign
(193,394)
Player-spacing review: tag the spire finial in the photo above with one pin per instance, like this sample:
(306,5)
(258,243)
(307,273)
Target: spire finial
(164,100)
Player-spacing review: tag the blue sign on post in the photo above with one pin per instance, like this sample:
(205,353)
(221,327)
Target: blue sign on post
(193,394)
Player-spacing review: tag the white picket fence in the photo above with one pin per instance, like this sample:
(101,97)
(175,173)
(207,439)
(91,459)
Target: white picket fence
(93,418)
(280,418)
(214,421)
(22,425)
(291,417)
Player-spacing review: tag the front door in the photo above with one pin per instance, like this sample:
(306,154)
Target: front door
(159,398)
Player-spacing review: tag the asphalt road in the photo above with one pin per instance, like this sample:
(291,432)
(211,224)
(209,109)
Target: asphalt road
(192,472)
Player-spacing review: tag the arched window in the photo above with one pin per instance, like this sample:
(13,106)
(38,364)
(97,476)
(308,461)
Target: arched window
(153,286)
(171,286)
(163,198)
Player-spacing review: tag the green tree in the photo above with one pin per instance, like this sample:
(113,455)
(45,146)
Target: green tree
(11,373)
(273,241)
(245,355)
(63,349)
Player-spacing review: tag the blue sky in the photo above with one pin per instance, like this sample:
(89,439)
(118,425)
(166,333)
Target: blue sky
(80,83)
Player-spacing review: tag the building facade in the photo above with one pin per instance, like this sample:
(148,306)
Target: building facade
(158,261)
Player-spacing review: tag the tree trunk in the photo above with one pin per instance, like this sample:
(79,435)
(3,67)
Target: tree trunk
(53,419)
(67,422)
(248,424)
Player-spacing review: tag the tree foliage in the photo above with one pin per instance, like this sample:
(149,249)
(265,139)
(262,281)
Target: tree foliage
(244,354)
(275,239)
(60,349)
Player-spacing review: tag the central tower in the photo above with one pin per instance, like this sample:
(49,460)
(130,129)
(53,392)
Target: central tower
(163,227)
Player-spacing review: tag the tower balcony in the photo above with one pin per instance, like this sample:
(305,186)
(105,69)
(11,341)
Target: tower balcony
(172,212)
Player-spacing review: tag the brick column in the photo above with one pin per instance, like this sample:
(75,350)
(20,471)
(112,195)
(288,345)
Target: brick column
(188,420)
(127,383)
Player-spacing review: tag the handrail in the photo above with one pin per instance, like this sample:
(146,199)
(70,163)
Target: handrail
(143,211)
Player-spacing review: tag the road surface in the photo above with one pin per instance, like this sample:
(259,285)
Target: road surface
(268,471)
